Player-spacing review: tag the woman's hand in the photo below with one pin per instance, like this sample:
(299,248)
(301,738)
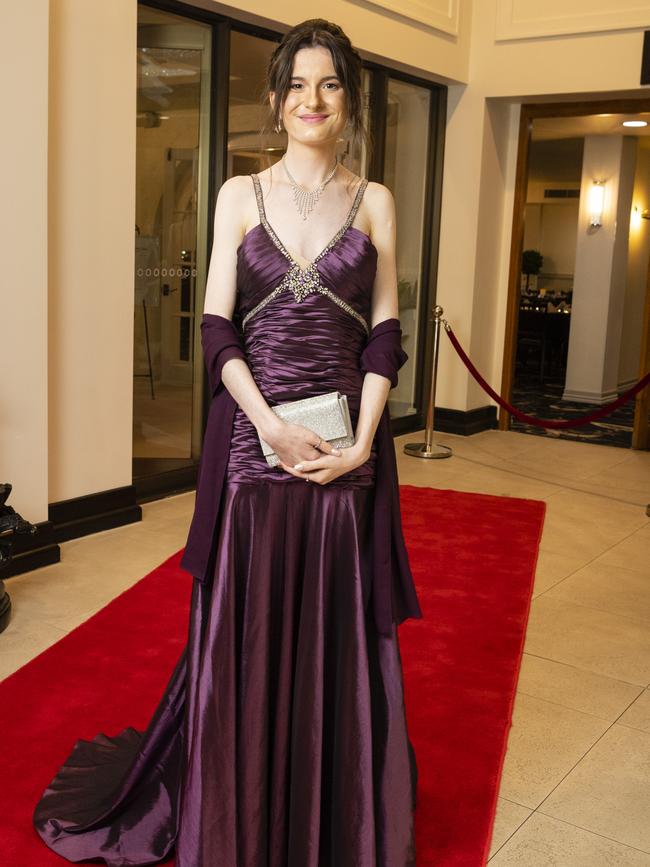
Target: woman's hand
(328,467)
(295,444)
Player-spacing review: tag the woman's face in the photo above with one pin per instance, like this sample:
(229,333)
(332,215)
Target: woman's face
(315,109)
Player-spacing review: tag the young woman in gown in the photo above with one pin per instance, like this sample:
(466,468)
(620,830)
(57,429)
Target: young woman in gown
(281,739)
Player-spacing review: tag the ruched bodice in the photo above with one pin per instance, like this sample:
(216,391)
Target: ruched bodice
(304,330)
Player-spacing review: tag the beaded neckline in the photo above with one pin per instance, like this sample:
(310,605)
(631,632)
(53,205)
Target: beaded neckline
(278,243)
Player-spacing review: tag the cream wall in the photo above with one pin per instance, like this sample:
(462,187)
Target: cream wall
(569,61)
(68,158)
(91,231)
(637,273)
(23,281)
(379,30)
(86,414)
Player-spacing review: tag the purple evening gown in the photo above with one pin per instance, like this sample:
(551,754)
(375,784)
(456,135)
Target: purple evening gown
(281,739)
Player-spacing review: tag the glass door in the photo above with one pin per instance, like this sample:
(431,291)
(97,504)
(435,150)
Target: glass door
(406,157)
(173,112)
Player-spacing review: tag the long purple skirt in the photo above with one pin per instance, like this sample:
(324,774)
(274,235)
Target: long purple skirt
(281,738)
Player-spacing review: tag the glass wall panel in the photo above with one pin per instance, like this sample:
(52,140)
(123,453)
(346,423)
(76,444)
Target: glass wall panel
(247,151)
(173,90)
(405,174)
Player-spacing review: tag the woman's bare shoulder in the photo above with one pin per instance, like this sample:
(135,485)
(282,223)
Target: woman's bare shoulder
(380,208)
(379,196)
(235,186)
(236,202)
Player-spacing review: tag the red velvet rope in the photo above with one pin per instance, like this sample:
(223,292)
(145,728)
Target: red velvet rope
(545,422)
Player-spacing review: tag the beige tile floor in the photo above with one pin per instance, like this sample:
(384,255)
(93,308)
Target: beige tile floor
(576,780)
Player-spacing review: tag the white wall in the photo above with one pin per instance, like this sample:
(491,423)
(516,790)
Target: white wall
(600,271)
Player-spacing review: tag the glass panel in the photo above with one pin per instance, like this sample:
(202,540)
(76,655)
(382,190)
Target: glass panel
(356,157)
(405,174)
(247,152)
(173,89)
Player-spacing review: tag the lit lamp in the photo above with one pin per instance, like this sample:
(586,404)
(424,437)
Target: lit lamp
(596,203)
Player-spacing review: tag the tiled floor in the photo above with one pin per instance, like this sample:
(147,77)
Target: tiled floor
(576,781)
(544,400)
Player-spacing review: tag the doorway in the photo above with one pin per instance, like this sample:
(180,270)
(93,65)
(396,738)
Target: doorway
(579,290)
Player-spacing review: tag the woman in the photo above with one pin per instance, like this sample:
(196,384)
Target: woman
(281,739)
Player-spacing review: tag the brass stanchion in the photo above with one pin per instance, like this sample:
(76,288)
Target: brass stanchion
(429,449)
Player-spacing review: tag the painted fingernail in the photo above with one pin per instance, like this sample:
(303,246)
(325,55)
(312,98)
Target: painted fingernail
(297,466)
(336,451)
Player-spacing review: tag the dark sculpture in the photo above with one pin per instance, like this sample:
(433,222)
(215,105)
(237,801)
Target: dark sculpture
(11,524)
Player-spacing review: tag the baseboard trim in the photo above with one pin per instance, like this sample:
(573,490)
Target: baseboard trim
(580,396)
(465,422)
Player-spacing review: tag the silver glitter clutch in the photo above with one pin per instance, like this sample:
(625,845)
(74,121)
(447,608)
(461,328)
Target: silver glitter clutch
(328,415)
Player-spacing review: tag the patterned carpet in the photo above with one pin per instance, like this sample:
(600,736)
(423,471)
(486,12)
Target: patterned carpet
(544,400)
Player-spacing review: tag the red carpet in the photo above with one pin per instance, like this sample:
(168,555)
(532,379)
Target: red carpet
(473,558)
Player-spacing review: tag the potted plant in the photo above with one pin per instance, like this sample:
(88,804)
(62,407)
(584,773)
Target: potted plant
(531,263)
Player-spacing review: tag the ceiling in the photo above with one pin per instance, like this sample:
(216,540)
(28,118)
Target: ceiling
(557,142)
(545,128)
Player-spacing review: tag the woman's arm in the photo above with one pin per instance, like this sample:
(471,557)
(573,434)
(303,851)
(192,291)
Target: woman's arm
(221,295)
(291,442)
(384,306)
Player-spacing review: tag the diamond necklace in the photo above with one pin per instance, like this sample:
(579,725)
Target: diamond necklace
(306,199)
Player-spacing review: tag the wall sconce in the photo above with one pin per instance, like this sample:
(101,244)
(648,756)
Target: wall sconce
(596,203)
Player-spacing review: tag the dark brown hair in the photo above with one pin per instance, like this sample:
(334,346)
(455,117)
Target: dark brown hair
(347,65)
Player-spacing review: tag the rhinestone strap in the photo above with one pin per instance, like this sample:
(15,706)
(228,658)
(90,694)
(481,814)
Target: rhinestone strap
(278,243)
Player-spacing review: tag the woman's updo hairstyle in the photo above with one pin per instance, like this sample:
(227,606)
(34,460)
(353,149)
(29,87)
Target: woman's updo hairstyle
(347,66)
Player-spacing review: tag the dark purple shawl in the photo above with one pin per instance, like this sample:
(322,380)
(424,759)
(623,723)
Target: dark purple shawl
(393,594)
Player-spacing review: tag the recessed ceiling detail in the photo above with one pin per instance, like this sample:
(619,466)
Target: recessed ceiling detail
(521,19)
(441,15)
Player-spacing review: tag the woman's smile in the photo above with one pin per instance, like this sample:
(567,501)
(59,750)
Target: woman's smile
(312,118)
